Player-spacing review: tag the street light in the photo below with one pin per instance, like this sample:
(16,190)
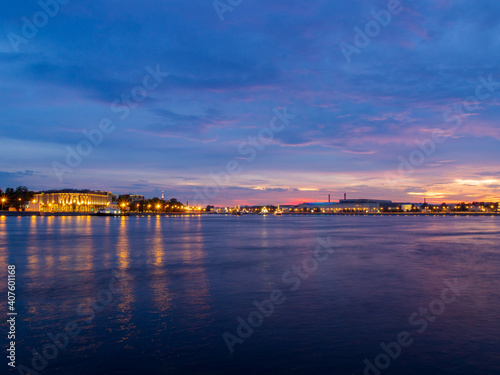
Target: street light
(3,201)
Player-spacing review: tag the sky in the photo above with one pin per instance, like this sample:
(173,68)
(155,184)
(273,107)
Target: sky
(253,102)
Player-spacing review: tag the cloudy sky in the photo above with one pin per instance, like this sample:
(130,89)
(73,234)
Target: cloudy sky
(255,102)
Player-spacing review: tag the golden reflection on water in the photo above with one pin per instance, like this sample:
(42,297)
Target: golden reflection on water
(52,253)
(87,248)
(197,292)
(105,241)
(125,296)
(33,257)
(158,246)
(32,248)
(123,246)
(160,278)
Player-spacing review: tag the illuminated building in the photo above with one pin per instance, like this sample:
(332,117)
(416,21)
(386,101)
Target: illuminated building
(70,201)
(348,205)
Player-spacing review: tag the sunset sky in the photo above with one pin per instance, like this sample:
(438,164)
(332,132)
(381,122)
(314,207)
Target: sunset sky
(185,92)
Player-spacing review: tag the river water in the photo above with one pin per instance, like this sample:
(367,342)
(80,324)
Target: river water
(254,295)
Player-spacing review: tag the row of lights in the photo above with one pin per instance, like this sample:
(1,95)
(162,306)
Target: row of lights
(158,206)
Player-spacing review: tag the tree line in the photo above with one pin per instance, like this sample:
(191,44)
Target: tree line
(150,205)
(17,198)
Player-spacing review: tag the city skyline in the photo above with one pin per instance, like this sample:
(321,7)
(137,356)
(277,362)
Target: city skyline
(281,103)
(10,195)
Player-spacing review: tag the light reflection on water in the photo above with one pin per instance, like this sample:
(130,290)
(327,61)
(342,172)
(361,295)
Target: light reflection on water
(191,277)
